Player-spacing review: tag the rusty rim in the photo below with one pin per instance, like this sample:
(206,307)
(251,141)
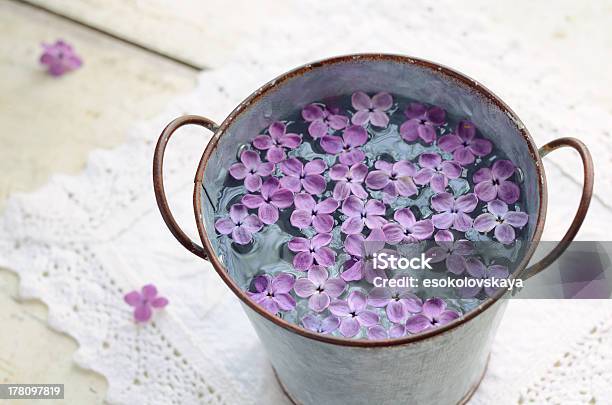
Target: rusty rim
(449,73)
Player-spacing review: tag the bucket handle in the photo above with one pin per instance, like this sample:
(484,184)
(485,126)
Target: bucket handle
(585,200)
(158,179)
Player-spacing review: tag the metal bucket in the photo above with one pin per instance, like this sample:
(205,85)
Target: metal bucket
(437,366)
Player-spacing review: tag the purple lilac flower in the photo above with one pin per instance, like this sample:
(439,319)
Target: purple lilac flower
(319,288)
(240,224)
(308,212)
(308,176)
(492,183)
(273,197)
(453,212)
(453,253)
(362,250)
(144,302)
(477,269)
(251,170)
(393,178)
(398,302)
(434,314)
(277,141)
(322,120)
(422,122)
(272,293)
(464,145)
(436,172)
(353,313)
(406,228)
(371,109)
(59,58)
(312,251)
(348,146)
(316,324)
(348,180)
(359,214)
(500,219)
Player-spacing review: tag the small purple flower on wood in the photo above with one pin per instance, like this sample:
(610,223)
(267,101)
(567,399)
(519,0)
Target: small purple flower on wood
(59,58)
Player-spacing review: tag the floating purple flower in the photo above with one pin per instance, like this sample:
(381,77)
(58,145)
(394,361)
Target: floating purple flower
(362,250)
(422,122)
(477,269)
(500,219)
(277,141)
(406,228)
(464,145)
(348,146)
(59,58)
(434,314)
(398,302)
(318,325)
(371,109)
(453,253)
(308,212)
(393,178)
(273,197)
(436,172)
(353,313)
(251,170)
(312,251)
(453,212)
(322,120)
(359,214)
(308,176)
(319,288)
(348,180)
(240,224)
(144,302)
(492,183)
(272,293)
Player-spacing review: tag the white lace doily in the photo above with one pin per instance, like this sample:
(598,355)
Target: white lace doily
(81,242)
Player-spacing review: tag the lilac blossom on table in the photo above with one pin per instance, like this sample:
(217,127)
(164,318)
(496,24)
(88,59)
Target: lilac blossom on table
(321,120)
(353,313)
(324,326)
(433,314)
(407,228)
(453,213)
(144,302)
(464,144)
(353,137)
(493,183)
(240,224)
(422,122)
(436,172)
(393,178)
(307,176)
(60,58)
(277,141)
(312,251)
(309,212)
(362,249)
(273,197)
(501,220)
(360,213)
(319,288)
(478,270)
(348,180)
(251,170)
(453,253)
(371,110)
(399,302)
(272,292)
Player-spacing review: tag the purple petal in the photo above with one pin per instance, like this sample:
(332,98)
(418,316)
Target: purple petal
(443,221)
(358,190)
(423,229)
(430,160)
(466,130)
(447,317)
(444,236)
(311,322)
(451,169)
(331,144)
(394,233)
(455,264)
(361,101)
(142,313)
(354,272)
(277,129)
(361,117)
(439,182)
(327,206)
(318,275)
(463,156)
(325,256)
(304,288)
(449,143)
(463,247)
(484,222)
(424,176)
(349,327)
(292,167)
(409,130)
(352,225)
(159,302)
(377,332)
(433,307)
(382,101)
(250,159)
(241,236)
(357,301)
(397,331)
(316,166)
(354,245)
(404,168)
(379,119)
(298,244)
(262,142)
(341,191)
(436,115)
(355,135)
(330,324)
(282,283)
(334,287)
(252,224)
(303,261)
(337,121)
(516,218)
(483,174)
(252,200)
(238,212)
(508,192)
(290,183)
(415,110)
(317,129)
(320,240)
(352,206)
(502,169)
(462,222)
(339,172)
(480,147)
(224,226)
(442,202)
(397,312)
(319,302)
(268,213)
(485,190)
(352,157)
(497,207)
(282,198)
(405,217)
(252,182)
(358,171)
(269,305)
(291,141)
(427,133)
(466,203)
(269,186)
(374,222)
(339,308)
(377,179)
(474,267)
(305,201)
(323,223)
(368,318)
(275,154)
(133,298)
(238,171)
(379,297)
(284,301)
(375,207)
(504,233)
(314,184)
(417,323)
(405,186)
(265,169)
(312,112)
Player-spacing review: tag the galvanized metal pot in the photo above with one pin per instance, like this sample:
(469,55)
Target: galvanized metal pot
(439,366)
